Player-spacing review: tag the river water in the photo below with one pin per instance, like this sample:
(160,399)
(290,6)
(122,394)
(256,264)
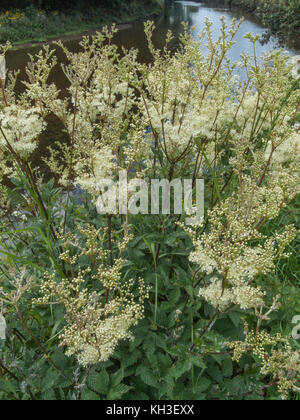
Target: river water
(133,36)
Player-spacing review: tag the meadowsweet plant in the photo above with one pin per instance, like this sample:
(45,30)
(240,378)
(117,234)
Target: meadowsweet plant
(95,323)
(116,305)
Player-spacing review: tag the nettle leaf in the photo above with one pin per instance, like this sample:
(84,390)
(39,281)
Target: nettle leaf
(235,317)
(166,390)
(118,391)
(117,377)
(10,387)
(197,360)
(51,379)
(130,358)
(235,386)
(147,376)
(203,384)
(164,361)
(182,367)
(99,381)
(174,296)
(178,351)
(227,368)
(254,397)
(215,373)
(60,359)
(49,395)
(88,395)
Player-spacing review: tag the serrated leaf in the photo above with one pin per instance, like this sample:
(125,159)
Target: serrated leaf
(227,368)
(117,377)
(99,381)
(147,377)
(88,395)
(215,373)
(182,367)
(203,384)
(118,391)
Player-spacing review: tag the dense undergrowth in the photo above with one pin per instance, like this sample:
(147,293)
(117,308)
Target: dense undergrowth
(111,306)
(32,24)
(281,16)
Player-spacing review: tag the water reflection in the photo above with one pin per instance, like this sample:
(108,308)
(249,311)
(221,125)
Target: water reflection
(196,13)
(132,36)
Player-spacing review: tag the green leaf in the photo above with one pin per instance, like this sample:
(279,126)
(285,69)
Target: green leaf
(182,367)
(147,376)
(203,384)
(215,373)
(235,317)
(227,368)
(88,395)
(99,382)
(118,391)
(117,377)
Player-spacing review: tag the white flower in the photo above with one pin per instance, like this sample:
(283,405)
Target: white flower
(21,128)
(247,297)
(200,257)
(296,66)
(216,296)
(288,150)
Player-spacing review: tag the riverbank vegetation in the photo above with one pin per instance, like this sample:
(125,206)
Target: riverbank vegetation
(281,16)
(111,305)
(32,23)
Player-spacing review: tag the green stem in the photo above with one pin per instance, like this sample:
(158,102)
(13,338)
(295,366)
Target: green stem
(48,357)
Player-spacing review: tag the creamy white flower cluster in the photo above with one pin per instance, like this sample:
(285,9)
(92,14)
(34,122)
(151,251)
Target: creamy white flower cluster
(101,118)
(286,151)
(227,259)
(101,165)
(95,322)
(281,363)
(183,115)
(295,61)
(94,333)
(232,252)
(21,129)
(185,100)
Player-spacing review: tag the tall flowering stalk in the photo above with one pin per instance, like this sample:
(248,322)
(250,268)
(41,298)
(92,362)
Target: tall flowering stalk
(185,115)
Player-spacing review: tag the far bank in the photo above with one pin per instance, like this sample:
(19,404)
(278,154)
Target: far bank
(31,24)
(281,17)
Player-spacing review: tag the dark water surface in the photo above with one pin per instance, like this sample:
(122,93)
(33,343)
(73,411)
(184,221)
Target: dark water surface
(133,36)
